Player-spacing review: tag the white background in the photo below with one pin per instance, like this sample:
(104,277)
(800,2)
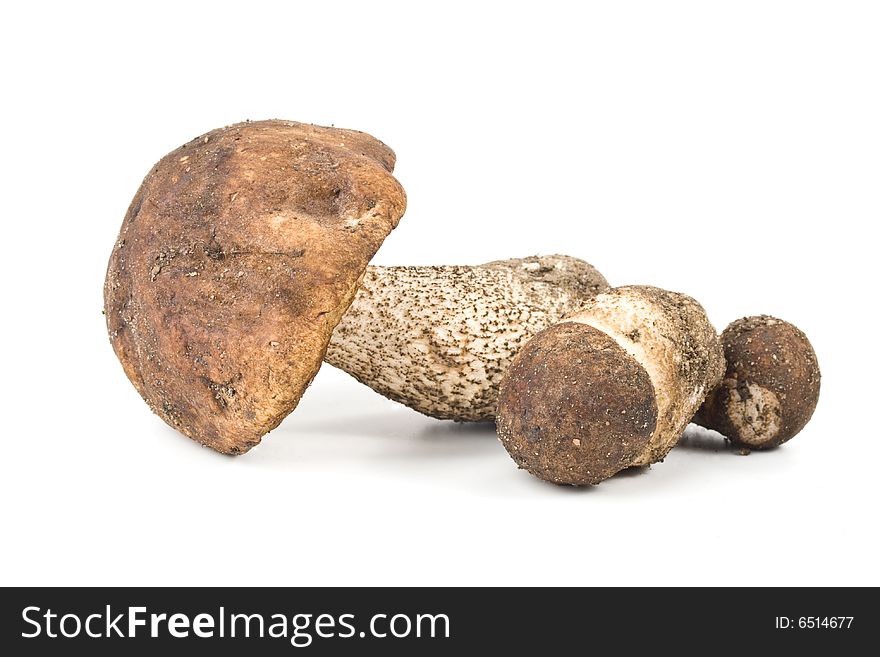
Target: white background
(727,150)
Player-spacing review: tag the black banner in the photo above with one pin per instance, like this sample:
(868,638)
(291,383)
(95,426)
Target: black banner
(278,621)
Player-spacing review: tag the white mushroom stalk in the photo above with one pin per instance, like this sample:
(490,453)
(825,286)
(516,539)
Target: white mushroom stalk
(439,339)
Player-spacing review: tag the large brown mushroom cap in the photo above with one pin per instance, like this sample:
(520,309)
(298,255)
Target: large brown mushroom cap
(770,388)
(238,256)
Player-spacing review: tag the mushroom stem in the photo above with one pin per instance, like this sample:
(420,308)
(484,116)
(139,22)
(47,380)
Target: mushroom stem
(439,339)
(612,386)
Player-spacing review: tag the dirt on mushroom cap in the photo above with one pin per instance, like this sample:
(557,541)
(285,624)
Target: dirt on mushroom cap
(237,257)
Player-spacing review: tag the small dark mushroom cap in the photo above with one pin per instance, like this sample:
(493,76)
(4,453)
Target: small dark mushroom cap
(575,408)
(239,254)
(771,385)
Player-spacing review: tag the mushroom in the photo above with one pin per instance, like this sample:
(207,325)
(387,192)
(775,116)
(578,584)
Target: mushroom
(770,388)
(439,339)
(612,386)
(238,256)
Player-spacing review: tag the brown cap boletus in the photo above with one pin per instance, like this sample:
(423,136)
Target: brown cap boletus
(237,258)
(439,339)
(770,388)
(610,387)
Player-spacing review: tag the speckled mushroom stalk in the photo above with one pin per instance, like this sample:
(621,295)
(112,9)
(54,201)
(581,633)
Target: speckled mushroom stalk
(439,339)
(612,386)
(770,388)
